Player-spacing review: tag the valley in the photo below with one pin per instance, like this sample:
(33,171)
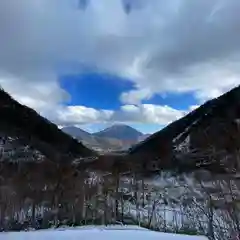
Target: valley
(118,137)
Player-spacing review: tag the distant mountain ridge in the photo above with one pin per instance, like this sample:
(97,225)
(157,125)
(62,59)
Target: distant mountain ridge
(116,137)
(121,132)
(78,133)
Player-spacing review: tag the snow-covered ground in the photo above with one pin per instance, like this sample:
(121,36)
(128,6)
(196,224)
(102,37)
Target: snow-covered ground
(100,233)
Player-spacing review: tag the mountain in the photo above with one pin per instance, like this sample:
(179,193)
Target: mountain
(76,132)
(207,136)
(143,137)
(110,138)
(121,132)
(23,128)
(79,134)
(91,141)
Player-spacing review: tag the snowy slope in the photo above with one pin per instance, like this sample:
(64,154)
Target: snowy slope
(100,233)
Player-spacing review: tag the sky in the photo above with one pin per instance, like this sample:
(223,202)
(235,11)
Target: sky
(94,63)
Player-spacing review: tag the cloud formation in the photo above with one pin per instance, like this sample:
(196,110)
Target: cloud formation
(145,113)
(161,46)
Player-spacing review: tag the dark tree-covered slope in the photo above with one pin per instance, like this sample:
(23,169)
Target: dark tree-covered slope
(17,120)
(214,126)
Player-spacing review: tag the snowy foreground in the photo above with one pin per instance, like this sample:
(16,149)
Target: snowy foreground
(99,233)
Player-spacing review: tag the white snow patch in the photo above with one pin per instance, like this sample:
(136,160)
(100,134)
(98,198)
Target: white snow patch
(184,145)
(100,233)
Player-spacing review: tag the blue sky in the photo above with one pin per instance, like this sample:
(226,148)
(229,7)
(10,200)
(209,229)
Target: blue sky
(100,91)
(93,63)
(103,91)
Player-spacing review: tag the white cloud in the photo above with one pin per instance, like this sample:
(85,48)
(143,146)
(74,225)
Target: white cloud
(135,96)
(145,113)
(72,115)
(161,46)
(148,113)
